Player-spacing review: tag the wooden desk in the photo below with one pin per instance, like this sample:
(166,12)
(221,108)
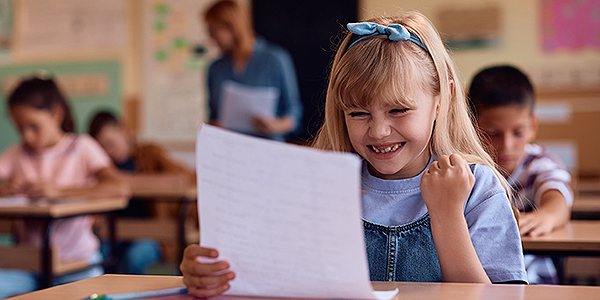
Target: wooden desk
(588,186)
(111,284)
(586,207)
(50,210)
(578,237)
(167,187)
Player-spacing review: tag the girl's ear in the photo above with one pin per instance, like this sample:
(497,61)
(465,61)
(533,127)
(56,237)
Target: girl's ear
(437,107)
(58,114)
(439,99)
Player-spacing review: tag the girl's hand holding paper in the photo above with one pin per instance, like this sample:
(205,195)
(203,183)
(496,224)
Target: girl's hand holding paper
(203,274)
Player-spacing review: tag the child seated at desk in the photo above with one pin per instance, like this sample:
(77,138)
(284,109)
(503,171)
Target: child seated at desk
(434,208)
(502,101)
(132,158)
(52,161)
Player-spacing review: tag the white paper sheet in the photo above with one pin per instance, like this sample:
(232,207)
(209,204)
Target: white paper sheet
(242,102)
(287,218)
(16,200)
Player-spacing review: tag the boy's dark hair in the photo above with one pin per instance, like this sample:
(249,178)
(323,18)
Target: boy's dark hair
(99,121)
(42,94)
(500,86)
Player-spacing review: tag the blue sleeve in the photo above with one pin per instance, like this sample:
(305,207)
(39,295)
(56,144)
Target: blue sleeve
(290,104)
(214,91)
(493,228)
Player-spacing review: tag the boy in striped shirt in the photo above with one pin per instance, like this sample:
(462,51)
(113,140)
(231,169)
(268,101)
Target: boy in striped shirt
(502,100)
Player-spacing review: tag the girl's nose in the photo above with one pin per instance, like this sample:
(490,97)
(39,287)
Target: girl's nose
(507,142)
(380,128)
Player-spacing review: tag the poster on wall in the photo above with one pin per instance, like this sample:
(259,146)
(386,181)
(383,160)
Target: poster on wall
(177,52)
(471,28)
(570,24)
(56,26)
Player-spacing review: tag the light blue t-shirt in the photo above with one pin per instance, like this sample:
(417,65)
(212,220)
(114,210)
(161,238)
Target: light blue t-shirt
(492,226)
(269,66)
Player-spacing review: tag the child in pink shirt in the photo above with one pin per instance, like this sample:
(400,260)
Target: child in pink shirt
(52,161)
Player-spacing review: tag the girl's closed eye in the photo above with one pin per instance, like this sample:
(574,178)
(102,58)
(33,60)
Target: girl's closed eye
(358,114)
(519,132)
(399,111)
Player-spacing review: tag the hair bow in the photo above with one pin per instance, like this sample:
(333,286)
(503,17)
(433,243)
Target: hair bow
(395,32)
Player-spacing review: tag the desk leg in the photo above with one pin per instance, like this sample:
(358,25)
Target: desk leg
(47,254)
(181,236)
(111,265)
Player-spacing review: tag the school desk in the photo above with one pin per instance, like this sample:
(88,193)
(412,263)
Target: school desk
(110,284)
(46,211)
(577,238)
(588,186)
(162,187)
(586,207)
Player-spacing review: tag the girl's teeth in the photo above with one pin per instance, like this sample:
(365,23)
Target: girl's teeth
(386,150)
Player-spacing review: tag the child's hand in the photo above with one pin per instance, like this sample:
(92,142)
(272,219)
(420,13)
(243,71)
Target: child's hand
(264,125)
(204,279)
(535,224)
(446,185)
(12,186)
(41,189)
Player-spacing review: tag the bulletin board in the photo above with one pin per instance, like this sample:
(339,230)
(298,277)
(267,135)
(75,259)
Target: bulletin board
(177,53)
(89,87)
(59,29)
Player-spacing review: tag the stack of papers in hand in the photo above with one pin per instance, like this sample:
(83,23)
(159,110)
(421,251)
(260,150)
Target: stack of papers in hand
(286,218)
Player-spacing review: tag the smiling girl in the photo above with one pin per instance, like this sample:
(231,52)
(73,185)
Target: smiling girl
(434,206)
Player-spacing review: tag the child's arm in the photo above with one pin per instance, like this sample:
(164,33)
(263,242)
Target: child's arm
(204,279)
(553,212)
(445,186)
(109,184)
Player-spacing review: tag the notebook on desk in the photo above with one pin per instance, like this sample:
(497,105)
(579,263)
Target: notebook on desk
(21,200)
(287,218)
(16,200)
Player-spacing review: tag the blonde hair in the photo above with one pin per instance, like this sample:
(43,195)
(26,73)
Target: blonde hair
(236,17)
(393,71)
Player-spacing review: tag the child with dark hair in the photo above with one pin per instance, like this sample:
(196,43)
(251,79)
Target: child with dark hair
(502,100)
(129,156)
(52,161)
(132,158)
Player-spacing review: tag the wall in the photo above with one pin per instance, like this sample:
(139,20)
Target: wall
(520,43)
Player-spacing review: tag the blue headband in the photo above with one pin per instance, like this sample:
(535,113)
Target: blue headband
(395,32)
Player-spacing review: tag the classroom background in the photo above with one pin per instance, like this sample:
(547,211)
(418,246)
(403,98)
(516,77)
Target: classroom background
(146,59)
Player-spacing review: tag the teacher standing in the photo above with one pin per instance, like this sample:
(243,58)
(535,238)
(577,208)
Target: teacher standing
(251,61)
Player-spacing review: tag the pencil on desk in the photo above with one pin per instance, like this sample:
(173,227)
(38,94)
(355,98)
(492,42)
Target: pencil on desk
(139,295)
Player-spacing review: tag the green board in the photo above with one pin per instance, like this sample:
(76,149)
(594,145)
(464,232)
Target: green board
(83,108)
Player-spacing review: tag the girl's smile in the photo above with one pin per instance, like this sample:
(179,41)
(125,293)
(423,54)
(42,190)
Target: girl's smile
(384,149)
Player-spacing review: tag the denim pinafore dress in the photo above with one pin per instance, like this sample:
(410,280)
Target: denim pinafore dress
(402,253)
